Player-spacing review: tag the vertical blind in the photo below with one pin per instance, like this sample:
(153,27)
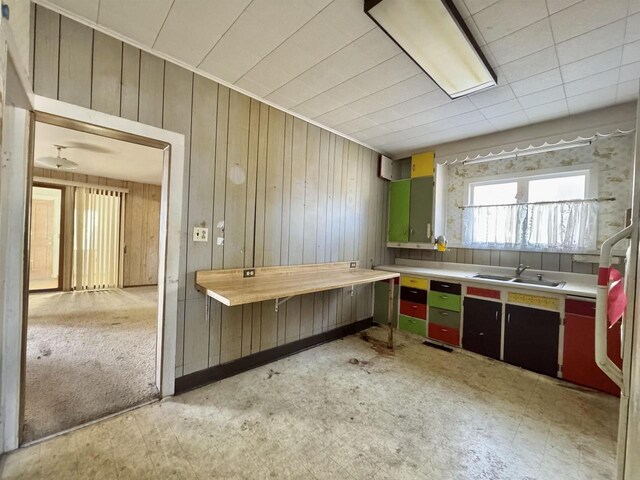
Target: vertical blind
(96,246)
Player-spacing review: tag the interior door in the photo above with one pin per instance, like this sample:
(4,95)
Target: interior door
(45,247)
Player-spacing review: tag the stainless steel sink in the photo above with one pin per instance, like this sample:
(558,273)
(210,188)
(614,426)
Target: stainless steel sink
(535,281)
(502,278)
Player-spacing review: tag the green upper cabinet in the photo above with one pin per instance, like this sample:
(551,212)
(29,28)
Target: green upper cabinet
(420,212)
(399,197)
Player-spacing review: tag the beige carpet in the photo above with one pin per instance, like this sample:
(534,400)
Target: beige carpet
(89,354)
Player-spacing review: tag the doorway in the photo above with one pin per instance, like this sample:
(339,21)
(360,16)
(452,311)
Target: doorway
(92,329)
(46,238)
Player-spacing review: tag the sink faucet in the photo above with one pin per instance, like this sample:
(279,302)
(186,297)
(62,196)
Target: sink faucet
(520,269)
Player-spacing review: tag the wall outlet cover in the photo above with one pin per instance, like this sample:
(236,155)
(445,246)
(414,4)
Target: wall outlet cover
(200,234)
(353,264)
(249,273)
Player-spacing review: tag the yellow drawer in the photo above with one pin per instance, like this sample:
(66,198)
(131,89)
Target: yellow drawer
(415,282)
(422,164)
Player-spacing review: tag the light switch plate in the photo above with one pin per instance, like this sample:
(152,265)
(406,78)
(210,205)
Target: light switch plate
(200,234)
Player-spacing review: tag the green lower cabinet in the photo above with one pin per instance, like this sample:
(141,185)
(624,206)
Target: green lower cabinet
(412,325)
(399,196)
(446,301)
(381,302)
(445,318)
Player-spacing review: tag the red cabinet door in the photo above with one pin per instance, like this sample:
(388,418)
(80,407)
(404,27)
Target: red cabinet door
(579,360)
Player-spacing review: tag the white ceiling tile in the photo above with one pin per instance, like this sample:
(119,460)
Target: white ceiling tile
(631,52)
(541,97)
(524,42)
(438,114)
(512,120)
(586,16)
(475,31)
(506,16)
(533,64)
(633,28)
(548,111)
(634,6)
(312,110)
(84,8)
(355,125)
(557,5)
(205,21)
(139,20)
(592,100)
(337,116)
(500,109)
(247,41)
(594,82)
(371,133)
(535,83)
(599,40)
(341,23)
(421,103)
(372,49)
(591,65)
(462,9)
(474,6)
(628,72)
(492,96)
(384,116)
(627,91)
(387,74)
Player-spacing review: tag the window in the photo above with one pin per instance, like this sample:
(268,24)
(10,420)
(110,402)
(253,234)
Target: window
(550,209)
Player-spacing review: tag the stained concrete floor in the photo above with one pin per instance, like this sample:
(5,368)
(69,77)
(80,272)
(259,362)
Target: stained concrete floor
(89,354)
(348,410)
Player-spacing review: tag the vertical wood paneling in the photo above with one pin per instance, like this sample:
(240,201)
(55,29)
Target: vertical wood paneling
(278,190)
(151,93)
(130,82)
(235,209)
(107,74)
(46,50)
(217,230)
(76,47)
(200,212)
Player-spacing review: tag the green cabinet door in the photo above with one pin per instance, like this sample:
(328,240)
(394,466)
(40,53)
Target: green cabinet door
(399,195)
(420,221)
(381,303)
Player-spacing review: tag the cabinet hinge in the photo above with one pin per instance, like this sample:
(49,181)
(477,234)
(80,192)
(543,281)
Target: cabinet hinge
(559,368)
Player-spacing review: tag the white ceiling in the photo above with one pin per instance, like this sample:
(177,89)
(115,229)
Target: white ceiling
(100,156)
(326,60)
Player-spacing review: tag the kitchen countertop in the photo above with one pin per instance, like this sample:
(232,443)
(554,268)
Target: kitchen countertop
(576,283)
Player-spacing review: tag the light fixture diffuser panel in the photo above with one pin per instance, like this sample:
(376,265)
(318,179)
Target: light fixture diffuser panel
(434,35)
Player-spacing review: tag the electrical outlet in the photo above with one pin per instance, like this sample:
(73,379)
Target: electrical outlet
(353,264)
(200,234)
(249,273)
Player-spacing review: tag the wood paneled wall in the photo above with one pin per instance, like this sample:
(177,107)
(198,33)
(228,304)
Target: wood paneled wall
(141,226)
(277,189)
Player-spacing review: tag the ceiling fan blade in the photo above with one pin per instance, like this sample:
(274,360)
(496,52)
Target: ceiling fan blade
(89,147)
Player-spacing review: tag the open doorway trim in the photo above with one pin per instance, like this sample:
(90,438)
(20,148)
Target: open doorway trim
(173,144)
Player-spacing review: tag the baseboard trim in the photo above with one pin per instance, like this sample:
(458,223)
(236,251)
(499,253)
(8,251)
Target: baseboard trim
(219,372)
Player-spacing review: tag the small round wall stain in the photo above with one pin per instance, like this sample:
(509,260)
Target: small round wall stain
(237,175)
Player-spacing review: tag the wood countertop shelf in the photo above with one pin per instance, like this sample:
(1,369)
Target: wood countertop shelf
(231,287)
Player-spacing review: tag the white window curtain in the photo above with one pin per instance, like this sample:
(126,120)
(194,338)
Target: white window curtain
(562,226)
(96,253)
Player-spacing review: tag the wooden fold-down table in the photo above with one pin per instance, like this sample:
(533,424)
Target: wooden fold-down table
(239,286)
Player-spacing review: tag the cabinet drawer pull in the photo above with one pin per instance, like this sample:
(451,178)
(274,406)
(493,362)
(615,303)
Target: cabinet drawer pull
(444,313)
(445,285)
(481,334)
(444,296)
(414,306)
(445,330)
(497,315)
(508,318)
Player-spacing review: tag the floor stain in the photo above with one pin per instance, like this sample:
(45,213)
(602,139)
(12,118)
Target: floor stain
(380,347)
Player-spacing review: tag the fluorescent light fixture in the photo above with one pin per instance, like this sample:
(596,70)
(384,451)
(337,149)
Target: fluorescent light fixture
(434,35)
(524,153)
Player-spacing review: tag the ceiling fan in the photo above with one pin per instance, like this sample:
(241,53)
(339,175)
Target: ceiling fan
(58,163)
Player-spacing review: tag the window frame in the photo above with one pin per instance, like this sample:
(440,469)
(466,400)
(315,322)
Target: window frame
(522,178)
